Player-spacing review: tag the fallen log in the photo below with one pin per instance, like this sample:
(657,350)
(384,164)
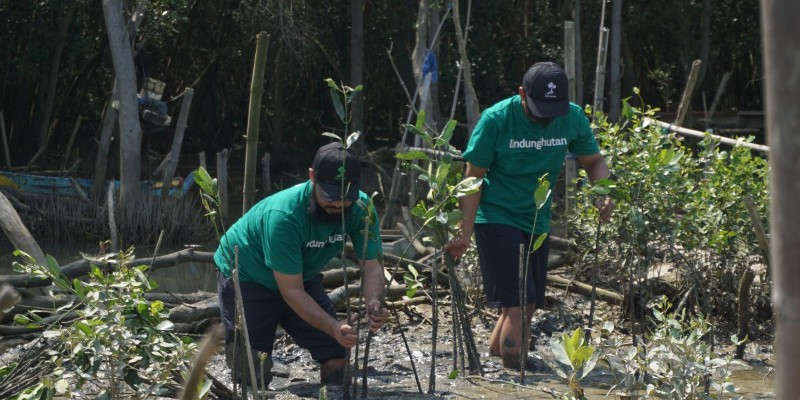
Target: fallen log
(584,289)
(17,233)
(207,308)
(8,297)
(6,330)
(179,298)
(82,267)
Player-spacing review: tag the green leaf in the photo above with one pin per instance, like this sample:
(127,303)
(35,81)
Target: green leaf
(337,104)
(538,243)
(447,134)
(453,374)
(420,125)
(332,135)
(352,138)
(165,325)
(542,193)
(331,83)
(84,327)
(21,319)
(412,155)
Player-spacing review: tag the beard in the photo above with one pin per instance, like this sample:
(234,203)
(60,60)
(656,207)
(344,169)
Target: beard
(318,213)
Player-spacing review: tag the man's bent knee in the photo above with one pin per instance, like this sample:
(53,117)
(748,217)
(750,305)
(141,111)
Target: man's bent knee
(331,372)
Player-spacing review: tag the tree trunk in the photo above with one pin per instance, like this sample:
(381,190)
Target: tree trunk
(357,64)
(130,140)
(104,145)
(705,40)
(427,23)
(470,98)
(277,107)
(600,71)
(781,50)
(578,55)
(253,121)
(52,83)
(177,142)
(17,233)
(615,92)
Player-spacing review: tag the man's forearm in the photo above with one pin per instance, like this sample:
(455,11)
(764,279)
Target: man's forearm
(374,282)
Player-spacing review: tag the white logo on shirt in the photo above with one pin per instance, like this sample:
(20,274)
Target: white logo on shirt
(316,244)
(537,144)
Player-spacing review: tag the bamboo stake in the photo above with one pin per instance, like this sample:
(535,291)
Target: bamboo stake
(600,72)
(71,141)
(177,142)
(701,135)
(5,139)
(523,286)
(222,180)
(254,120)
(686,99)
(758,226)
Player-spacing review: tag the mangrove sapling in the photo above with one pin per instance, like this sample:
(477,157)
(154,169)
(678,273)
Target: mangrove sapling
(347,94)
(540,196)
(439,219)
(576,353)
(121,345)
(601,188)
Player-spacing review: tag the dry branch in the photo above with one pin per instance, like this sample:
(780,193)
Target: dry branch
(81,267)
(584,289)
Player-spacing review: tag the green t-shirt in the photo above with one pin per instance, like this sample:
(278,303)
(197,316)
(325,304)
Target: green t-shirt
(516,152)
(278,234)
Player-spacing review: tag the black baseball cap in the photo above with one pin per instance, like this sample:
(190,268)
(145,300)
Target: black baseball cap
(547,90)
(332,164)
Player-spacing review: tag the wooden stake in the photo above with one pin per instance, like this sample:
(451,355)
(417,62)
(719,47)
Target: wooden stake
(5,139)
(686,99)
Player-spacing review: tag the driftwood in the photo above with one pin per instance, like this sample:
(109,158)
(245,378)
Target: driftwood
(584,289)
(8,297)
(6,330)
(17,233)
(81,267)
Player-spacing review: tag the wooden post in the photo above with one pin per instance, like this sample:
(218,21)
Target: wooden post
(265,174)
(71,141)
(17,233)
(201,158)
(569,58)
(781,50)
(717,96)
(5,139)
(600,74)
(177,142)
(112,221)
(686,99)
(222,183)
(253,121)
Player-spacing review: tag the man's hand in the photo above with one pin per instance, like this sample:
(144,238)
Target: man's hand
(605,206)
(459,244)
(377,315)
(344,334)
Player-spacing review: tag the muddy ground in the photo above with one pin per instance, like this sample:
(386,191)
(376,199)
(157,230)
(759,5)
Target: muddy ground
(390,373)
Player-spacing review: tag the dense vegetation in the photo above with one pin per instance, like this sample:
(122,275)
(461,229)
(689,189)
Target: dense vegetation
(55,64)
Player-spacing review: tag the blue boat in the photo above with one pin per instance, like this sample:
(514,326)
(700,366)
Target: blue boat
(61,186)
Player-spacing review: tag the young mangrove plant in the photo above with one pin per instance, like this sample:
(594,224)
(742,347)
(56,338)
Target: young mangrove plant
(109,342)
(439,214)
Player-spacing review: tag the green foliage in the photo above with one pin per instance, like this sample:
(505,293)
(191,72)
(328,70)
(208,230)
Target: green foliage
(119,344)
(442,174)
(674,362)
(210,198)
(677,203)
(580,357)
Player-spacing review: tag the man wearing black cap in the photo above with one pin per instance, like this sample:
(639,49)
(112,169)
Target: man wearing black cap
(281,245)
(515,142)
